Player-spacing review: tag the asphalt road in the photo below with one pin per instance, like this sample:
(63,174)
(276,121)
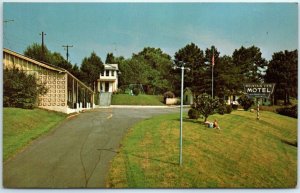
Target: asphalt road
(76,153)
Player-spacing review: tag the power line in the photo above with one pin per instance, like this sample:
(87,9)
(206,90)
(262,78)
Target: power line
(8,20)
(67,47)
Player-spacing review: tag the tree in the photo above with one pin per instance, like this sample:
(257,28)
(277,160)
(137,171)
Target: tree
(91,68)
(110,59)
(20,89)
(58,60)
(160,65)
(283,70)
(226,79)
(206,105)
(150,67)
(250,64)
(246,102)
(193,58)
(35,51)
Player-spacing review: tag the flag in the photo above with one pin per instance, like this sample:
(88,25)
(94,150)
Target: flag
(213,59)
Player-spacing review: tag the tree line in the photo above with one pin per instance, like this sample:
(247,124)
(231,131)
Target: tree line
(153,69)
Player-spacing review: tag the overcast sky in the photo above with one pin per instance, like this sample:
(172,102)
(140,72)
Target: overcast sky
(126,28)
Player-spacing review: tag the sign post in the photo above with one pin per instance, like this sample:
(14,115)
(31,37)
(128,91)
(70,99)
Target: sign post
(259,91)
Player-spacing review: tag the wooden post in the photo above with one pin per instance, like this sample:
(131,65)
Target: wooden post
(257,109)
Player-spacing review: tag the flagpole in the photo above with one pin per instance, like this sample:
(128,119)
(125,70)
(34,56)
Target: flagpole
(212,75)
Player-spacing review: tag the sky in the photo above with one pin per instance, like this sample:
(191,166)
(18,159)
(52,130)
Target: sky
(126,28)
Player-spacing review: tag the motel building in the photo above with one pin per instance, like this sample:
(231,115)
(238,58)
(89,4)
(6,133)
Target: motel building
(108,79)
(107,83)
(65,93)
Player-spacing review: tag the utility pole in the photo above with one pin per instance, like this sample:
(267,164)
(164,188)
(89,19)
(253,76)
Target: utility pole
(67,46)
(43,48)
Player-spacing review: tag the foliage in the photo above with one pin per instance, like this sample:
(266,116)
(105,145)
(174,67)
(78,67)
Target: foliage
(148,154)
(150,67)
(250,64)
(222,107)
(21,89)
(193,58)
(246,102)
(228,109)
(35,51)
(110,59)
(136,91)
(288,111)
(141,99)
(234,106)
(91,68)
(283,70)
(21,126)
(168,94)
(193,114)
(206,105)
(226,78)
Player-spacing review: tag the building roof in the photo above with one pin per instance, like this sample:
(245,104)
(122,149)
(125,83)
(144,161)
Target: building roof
(45,65)
(39,63)
(111,66)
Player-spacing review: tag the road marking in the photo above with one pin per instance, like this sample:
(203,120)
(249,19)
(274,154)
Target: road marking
(110,116)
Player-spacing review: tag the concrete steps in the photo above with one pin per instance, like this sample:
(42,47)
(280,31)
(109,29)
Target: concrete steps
(105,98)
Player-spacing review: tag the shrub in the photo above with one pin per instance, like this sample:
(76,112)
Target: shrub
(234,106)
(221,107)
(168,94)
(206,105)
(228,109)
(136,91)
(288,111)
(193,114)
(246,102)
(20,89)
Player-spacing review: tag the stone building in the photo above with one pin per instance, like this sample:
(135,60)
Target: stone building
(65,93)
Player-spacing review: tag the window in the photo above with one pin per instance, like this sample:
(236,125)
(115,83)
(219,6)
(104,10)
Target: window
(107,73)
(112,73)
(102,73)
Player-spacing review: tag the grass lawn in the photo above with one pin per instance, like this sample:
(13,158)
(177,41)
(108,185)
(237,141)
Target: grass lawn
(141,99)
(21,126)
(246,153)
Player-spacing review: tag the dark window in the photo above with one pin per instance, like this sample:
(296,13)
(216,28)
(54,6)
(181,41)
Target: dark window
(233,97)
(107,72)
(102,73)
(112,73)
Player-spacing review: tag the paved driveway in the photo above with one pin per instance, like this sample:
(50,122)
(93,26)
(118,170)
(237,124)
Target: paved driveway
(74,155)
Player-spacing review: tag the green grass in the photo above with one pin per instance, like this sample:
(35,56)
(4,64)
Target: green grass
(141,99)
(245,153)
(21,126)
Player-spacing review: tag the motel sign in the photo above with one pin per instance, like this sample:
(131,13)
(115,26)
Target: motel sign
(259,90)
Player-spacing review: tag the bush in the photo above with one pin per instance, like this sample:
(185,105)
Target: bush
(246,102)
(222,107)
(288,111)
(228,109)
(206,105)
(20,89)
(193,114)
(168,94)
(234,106)
(136,91)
